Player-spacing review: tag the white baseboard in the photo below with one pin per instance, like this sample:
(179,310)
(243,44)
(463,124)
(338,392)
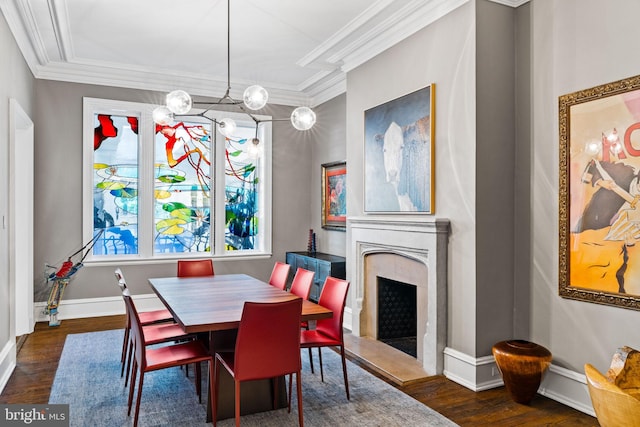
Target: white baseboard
(95,307)
(567,387)
(477,374)
(7,362)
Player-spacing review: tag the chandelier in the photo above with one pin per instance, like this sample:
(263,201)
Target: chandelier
(179,104)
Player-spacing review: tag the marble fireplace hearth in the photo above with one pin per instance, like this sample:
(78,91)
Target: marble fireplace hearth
(409,251)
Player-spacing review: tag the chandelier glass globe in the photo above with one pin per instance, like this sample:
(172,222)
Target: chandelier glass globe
(179,102)
(255,97)
(303,118)
(227,127)
(162,116)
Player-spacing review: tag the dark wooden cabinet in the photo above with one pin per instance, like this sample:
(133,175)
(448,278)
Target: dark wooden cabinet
(322,264)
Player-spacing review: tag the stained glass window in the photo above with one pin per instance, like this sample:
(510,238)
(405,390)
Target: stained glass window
(115,184)
(156,191)
(242,192)
(183,168)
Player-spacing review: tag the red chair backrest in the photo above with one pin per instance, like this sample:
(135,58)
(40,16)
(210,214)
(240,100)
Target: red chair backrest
(279,275)
(136,329)
(195,267)
(302,281)
(268,342)
(333,296)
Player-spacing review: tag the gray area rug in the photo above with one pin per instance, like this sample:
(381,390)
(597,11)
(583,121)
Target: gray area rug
(88,379)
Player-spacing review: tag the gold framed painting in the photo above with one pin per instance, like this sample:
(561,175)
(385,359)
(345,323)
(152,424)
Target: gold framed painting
(600,194)
(399,155)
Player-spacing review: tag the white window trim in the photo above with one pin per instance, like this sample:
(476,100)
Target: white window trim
(145,187)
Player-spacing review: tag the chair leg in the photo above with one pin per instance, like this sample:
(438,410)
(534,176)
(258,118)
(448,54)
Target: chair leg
(133,380)
(131,347)
(299,390)
(320,357)
(123,356)
(344,372)
(137,411)
(311,360)
(198,381)
(290,376)
(237,403)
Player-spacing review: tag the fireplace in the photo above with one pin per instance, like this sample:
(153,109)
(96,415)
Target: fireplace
(413,253)
(397,315)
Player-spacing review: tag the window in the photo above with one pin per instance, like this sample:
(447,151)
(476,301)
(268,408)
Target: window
(153,191)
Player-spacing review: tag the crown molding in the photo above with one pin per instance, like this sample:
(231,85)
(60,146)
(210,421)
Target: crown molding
(365,37)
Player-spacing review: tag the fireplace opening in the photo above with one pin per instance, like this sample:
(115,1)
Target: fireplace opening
(397,315)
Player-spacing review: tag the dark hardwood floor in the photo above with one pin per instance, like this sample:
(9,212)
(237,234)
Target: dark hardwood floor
(40,351)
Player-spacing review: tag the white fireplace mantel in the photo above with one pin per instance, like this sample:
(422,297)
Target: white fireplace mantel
(424,240)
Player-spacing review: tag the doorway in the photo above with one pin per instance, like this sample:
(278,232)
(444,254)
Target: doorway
(21,181)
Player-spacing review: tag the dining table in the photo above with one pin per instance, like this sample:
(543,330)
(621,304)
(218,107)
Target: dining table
(211,306)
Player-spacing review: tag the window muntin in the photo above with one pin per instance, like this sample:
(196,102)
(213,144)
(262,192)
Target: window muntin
(216,203)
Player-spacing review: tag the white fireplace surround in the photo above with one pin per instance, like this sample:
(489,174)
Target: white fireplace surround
(424,241)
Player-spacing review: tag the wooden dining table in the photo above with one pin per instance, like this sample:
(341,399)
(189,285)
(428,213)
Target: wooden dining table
(213,305)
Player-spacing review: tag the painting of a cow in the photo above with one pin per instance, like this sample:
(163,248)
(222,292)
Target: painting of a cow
(399,155)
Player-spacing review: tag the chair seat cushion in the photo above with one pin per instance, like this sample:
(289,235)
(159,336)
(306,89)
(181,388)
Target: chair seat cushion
(176,354)
(154,334)
(313,338)
(155,316)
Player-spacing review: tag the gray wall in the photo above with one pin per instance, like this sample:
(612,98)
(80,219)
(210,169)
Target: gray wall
(576,44)
(444,53)
(58,183)
(16,82)
(495,166)
(329,145)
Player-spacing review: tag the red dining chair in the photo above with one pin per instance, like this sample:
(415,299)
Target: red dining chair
(301,284)
(156,333)
(146,318)
(195,267)
(153,359)
(328,332)
(263,351)
(279,275)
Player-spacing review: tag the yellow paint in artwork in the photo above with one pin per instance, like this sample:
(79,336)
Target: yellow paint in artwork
(97,166)
(183,214)
(595,262)
(110,185)
(162,194)
(170,226)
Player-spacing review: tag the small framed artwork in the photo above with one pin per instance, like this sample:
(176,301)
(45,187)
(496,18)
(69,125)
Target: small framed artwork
(599,203)
(334,196)
(399,154)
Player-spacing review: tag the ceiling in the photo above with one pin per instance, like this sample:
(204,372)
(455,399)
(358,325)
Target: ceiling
(299,50)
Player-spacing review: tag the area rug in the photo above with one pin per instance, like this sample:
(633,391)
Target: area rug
(88,379)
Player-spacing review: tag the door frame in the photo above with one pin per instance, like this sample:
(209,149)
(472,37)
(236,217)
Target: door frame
(21,206)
